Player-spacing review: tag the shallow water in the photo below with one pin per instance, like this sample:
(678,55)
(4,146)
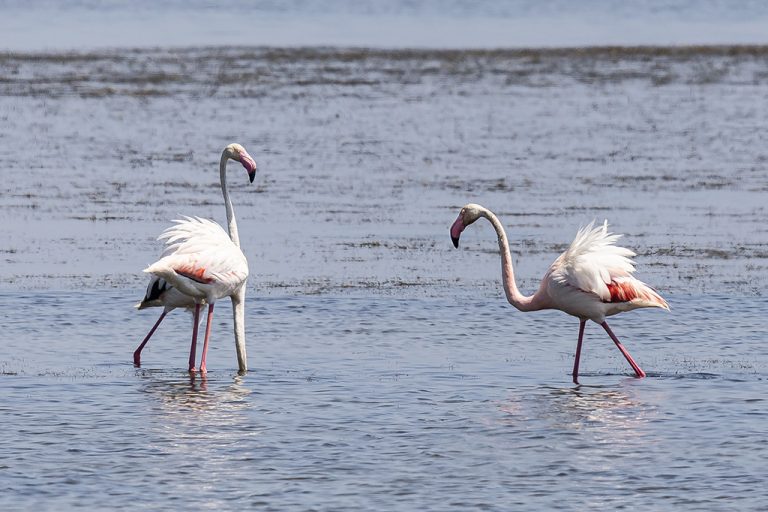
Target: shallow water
(381,403)
(365,157)
(386,370)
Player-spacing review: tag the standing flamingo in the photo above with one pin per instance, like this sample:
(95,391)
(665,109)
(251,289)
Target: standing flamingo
(591,280)
(201,264)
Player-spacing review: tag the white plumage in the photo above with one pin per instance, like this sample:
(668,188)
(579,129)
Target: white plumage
(593,277)
(593,260)
(200,260)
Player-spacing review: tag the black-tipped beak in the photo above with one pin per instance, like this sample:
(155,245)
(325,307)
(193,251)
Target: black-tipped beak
(247,162)
(456,229)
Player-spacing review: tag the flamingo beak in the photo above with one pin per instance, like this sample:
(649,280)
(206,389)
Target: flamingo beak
(456,230)
(249,164)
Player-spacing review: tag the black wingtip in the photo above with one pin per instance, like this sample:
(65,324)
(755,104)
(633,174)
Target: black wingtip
(455,241)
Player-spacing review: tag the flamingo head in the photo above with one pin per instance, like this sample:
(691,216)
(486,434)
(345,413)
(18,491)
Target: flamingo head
(468,214)
(238,153)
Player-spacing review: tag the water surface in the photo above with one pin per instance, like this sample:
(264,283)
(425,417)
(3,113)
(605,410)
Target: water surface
(386,370)
(354,402)
(365,157)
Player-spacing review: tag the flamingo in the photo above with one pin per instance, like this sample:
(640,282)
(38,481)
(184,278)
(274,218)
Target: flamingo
(201,263)
(591,280)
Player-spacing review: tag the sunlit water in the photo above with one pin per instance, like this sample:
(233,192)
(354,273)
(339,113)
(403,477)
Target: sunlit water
(378,403)
(365,158)
(386,370)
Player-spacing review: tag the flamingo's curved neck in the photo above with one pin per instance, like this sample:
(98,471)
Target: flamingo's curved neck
(517,299)
(231,222)
(238,298)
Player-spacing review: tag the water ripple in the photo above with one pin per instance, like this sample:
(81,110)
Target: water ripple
(389,418)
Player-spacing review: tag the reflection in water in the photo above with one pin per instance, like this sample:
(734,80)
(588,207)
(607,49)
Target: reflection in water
(600,407)
(214,411)
(609,413)
(591,434)
(190,391)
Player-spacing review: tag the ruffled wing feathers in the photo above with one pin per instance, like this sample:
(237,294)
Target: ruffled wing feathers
(191,235)
(201,250)
(593,261)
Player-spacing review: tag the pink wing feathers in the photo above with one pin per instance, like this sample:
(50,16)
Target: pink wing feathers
(200,259)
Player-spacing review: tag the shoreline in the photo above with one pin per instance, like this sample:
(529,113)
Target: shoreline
(410,52)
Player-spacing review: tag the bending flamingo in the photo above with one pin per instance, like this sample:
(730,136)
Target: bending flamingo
(201,264)
(591,280)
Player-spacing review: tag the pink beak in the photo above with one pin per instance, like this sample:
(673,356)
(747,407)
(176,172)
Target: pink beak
(456,230)
(249,164)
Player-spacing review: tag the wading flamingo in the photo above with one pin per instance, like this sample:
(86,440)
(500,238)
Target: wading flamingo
(591,280)
(201,264)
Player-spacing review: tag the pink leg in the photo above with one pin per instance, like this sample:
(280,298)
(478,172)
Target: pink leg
(638,372)
(582,323)
(194,339)
(137,353)
(203,370)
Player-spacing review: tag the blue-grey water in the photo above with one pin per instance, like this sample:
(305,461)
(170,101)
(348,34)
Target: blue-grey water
(88,24)
(358,402)
(386,371)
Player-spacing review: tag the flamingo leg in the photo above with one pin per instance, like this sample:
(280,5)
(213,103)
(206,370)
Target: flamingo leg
(192,349)
(582,323)
(137,353)
(203,369)
(639,373)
